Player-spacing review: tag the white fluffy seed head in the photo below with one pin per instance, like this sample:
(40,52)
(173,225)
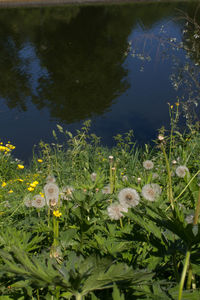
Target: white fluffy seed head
(38,201)
(148,164)
(28,201)
(151,191)
(115,211)
(128,197)
(181,171)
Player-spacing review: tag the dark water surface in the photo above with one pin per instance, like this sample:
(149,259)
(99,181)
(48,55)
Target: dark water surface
(63,65)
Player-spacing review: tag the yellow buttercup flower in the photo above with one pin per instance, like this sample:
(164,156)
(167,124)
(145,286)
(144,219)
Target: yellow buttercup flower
(57,214)
(21,180)
(30,189)
(3,184)
(10,192)
(20,166)
(42,194)
(40,160)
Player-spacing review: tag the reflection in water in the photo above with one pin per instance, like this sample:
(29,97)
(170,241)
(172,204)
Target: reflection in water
(69,64)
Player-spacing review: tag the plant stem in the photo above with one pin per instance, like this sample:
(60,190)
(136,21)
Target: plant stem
(187,260)
(189,279)
(121,223)
(197,210)
(78,297)
(169,192)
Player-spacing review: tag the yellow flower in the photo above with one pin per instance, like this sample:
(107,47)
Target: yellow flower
(21,180)
(57,214)
(177,103)
(3,184)
(35,182)
(11,191)
(30,189)
(171,106)
(20,166)
(40,160)
(42,194)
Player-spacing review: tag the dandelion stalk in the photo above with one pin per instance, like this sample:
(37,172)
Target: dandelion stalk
(121,223)
(183,275)
(196,217)
(169,192)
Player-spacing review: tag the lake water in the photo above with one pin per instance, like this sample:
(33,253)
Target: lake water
(111,64)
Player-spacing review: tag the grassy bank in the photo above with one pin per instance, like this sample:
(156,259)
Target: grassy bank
(87,222)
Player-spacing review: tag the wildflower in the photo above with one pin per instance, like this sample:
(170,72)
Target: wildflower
(151,191)
(20,166)
(38,201)
(128,197)
(50,179)
(52,201)
(181,171)
(160,137)
(34,184)
(21,180)
(115,211)
(42,194)
(66,192)
(40,160)
(106,189)
(93,176)
(111,158)
(30,189)
(3,184)
(148,164)
(57,214)
(139,180)
(51,189)
(10,192)
(28,201)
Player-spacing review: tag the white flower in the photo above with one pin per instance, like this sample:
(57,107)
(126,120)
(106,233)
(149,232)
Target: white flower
(148,164)
(106,189)
(128,197)
(151,191)
(28,201)
(115,211)
(181,171)
(93,176)
(38,201)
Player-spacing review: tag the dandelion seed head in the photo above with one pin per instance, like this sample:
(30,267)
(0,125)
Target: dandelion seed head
(189,219)
(115,211)
(50,179)
(148,164)
(93,176)
(124,178)
(106,189)
(181,171)
(151,191)
(128,197)
(38,201)
(28,201)
(66,192)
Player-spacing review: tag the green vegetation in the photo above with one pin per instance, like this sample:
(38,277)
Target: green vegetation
(88,222)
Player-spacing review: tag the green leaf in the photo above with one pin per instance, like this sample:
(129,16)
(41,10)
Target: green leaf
(116,293)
